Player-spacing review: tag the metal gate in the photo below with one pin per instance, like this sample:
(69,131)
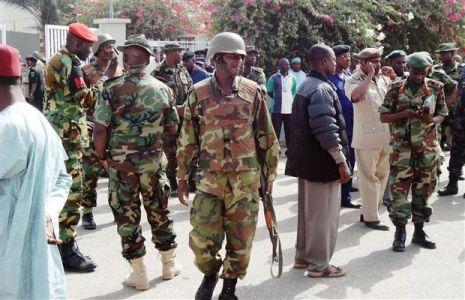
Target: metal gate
(55,38)
(2,34)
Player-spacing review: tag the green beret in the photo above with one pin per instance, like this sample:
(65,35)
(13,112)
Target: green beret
(419,60)
(395,54)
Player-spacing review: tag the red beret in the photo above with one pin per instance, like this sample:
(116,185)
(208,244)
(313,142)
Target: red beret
(9,62)
(83,32)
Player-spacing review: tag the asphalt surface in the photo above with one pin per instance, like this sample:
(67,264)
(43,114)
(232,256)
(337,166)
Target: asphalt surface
(374,271)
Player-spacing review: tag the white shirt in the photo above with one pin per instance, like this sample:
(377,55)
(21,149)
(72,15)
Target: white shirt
(286,102)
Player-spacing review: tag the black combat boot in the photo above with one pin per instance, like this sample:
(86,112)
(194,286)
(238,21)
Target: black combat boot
(420,238)
(450,189)
(229,290)
(73,259)
(399,239)
(88,221)
(206,288)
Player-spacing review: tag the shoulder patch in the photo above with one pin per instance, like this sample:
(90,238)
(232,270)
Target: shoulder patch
(203,89)
(247,89)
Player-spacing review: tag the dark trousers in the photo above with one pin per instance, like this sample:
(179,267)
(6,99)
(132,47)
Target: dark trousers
(346,197)
(278,119)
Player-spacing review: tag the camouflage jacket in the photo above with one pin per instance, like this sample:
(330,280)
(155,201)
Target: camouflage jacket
(231,134)
(136,107)
(440,75)
(257,75)
(177,78)
(67,98)
(413,132)
(453,72)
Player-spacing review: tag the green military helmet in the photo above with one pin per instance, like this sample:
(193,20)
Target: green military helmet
(226,42)
(102,40)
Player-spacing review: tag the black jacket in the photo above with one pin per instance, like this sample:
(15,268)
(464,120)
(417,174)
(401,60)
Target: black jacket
(317,126)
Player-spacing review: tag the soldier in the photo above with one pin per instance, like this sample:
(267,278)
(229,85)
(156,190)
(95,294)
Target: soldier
(396,60)
(251,71)
(452,68)
(67,98)
(95,73)
(173,73)
(226,123)
(414,107)
(36,83)
(138,109)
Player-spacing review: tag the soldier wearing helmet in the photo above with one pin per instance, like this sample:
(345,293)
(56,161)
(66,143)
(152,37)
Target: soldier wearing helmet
(227,126)
(105,66)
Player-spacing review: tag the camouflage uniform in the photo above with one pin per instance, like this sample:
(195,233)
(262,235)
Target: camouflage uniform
(233,136)
(67,99)
(91,166)
(137,107)
(415,150)
(180,82)
(257,75)
(450,84)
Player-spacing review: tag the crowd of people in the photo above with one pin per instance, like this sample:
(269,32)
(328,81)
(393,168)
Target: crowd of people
(209,122)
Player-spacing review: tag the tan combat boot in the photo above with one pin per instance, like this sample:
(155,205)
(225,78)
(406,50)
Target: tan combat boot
(170,269)
(138,277)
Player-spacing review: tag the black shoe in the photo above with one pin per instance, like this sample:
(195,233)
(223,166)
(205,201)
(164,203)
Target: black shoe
(377,225)
(421,238)
(206,288)
(88,221)
(450,189)
(350,205)
(399,239)
(353,189)
(73,260)
(229,290)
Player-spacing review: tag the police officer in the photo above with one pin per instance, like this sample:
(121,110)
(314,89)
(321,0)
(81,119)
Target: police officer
(138,109)
(67,99)
(251,71)
(226,123)
(173,73)
(95,73)
(36,83)
(414,107)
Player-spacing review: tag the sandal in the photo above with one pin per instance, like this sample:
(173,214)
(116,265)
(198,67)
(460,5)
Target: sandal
(300,264)
(329,271)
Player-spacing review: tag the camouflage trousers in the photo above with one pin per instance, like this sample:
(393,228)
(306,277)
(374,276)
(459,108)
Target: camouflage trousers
(91,170)
(140,176)
(212,218)
(416,170)
(70,215)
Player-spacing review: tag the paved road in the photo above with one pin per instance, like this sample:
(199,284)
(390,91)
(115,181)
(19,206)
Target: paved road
(373,270)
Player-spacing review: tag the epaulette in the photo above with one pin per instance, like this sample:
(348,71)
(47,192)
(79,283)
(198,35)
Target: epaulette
(247,89)
(110,80)
(434,83)
(203,89)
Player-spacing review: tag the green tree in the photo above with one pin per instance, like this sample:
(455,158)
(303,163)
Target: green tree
(43,11)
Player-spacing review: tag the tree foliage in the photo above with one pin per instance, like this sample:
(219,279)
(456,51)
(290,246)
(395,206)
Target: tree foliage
(43,11)
(282,28)
(157,19)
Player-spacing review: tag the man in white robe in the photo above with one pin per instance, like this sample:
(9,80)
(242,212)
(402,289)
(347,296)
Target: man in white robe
(34,186)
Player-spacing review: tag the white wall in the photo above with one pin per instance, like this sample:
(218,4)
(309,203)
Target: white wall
(17,19)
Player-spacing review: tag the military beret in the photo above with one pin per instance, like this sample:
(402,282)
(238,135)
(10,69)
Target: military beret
(419,60)
(172,47)
(341,49)
(296,60)
(10,58)
(187,55)
(369,53)
(250,48)
(447,47)
(31,57)
(82,32)
(200,51)
(395,54)
(137,40)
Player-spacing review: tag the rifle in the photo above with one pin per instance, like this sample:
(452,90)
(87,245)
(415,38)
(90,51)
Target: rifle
(271,224)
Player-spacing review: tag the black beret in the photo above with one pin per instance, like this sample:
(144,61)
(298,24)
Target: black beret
(187,55)
(341,49)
